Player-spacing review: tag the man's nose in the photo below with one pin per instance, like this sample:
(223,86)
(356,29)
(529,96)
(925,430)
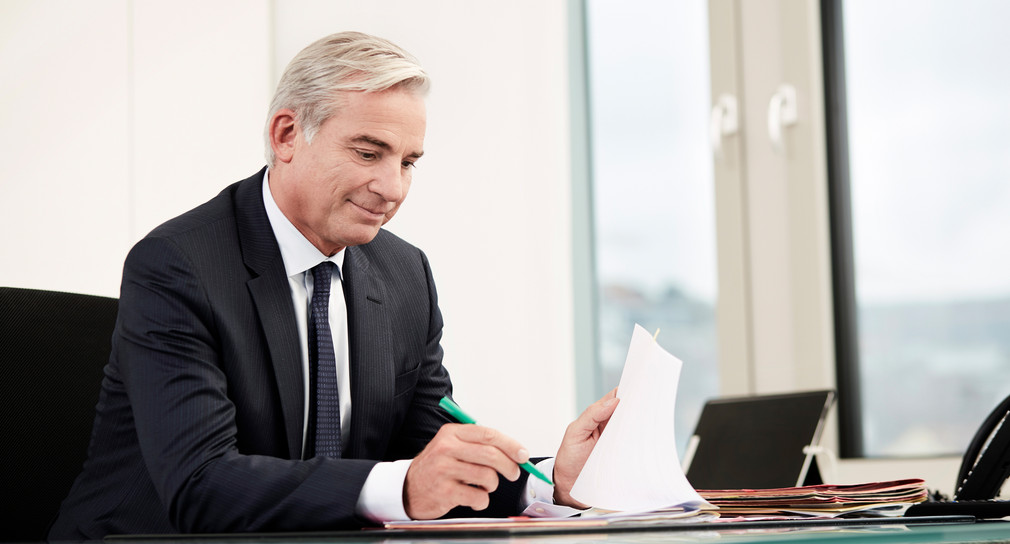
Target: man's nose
(389,181)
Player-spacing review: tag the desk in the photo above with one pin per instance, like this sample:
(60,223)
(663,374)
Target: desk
(884,531)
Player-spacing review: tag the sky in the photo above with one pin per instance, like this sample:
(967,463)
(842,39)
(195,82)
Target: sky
(929,136)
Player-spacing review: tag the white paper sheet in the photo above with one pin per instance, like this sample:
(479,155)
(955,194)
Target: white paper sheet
(634,465)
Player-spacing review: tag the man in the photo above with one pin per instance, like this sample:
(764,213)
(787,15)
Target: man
(276,362)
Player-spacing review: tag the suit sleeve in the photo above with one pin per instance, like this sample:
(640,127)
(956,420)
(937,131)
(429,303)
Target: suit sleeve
(170,359)
(426,417)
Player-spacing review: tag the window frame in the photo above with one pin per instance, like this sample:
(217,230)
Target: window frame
(846,322)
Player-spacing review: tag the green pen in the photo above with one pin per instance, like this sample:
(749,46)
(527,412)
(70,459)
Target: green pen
(455,411)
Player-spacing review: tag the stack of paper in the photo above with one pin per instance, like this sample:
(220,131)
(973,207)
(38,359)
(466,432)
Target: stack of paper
(881,498)
(588,518)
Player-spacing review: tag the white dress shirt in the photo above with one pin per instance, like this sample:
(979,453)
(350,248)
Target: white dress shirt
(381,497)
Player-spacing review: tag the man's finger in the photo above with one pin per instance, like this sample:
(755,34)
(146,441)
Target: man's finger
(490,457)
(595,417)
(473,497)
(480,476)
(479,434)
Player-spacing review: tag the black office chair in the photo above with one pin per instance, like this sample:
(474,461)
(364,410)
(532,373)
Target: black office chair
(53,347)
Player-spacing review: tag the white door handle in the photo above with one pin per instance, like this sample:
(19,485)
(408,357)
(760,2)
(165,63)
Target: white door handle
(781,113)
(723,122)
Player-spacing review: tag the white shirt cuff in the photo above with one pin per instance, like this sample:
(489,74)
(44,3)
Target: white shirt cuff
(537,490)
(538,499)
(381,498)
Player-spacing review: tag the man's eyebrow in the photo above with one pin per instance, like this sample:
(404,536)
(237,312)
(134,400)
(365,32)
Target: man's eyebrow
(364,138)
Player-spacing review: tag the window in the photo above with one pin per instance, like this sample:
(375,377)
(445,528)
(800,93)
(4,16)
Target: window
(921,151)
(653,196)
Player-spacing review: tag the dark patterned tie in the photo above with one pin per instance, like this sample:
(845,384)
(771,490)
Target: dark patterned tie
(324,411)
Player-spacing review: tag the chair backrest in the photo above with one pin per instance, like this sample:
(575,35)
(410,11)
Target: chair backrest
(53,347)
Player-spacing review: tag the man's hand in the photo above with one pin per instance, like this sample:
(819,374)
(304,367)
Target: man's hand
(578,443)
(460,467)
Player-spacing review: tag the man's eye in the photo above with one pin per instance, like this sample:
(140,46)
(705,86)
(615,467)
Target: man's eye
(367,155)
(408,164)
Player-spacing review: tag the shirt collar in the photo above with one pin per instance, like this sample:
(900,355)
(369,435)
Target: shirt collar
(297,252)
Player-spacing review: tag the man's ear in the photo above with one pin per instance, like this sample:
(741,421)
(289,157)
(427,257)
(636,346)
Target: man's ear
(283,131)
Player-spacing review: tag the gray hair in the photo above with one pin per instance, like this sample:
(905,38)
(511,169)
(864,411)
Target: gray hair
(347,61)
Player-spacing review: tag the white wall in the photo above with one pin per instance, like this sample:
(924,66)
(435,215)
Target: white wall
(64,125)
(116,115)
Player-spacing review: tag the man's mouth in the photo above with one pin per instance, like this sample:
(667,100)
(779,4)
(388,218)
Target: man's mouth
(377,213)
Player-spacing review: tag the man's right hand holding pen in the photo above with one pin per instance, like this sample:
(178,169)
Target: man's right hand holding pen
(460,466)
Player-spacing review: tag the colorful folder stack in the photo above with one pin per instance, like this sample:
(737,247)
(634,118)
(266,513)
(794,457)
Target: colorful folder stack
(878,498)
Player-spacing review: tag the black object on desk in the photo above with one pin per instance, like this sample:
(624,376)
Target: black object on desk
(986,463)
(986,509)
(984,470)
(758,442)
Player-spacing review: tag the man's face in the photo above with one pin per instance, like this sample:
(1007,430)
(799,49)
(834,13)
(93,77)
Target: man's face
(352,178)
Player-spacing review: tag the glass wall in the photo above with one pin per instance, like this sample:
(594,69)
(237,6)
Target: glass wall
(929,158)
(653,193)
(927,177)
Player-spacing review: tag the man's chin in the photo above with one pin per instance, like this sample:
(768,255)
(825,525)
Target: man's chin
(363,236)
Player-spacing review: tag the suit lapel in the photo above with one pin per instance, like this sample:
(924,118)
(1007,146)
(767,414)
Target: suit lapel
(370,336)
(272,298)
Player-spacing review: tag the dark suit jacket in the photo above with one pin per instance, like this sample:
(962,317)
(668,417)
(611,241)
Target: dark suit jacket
(199,423)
